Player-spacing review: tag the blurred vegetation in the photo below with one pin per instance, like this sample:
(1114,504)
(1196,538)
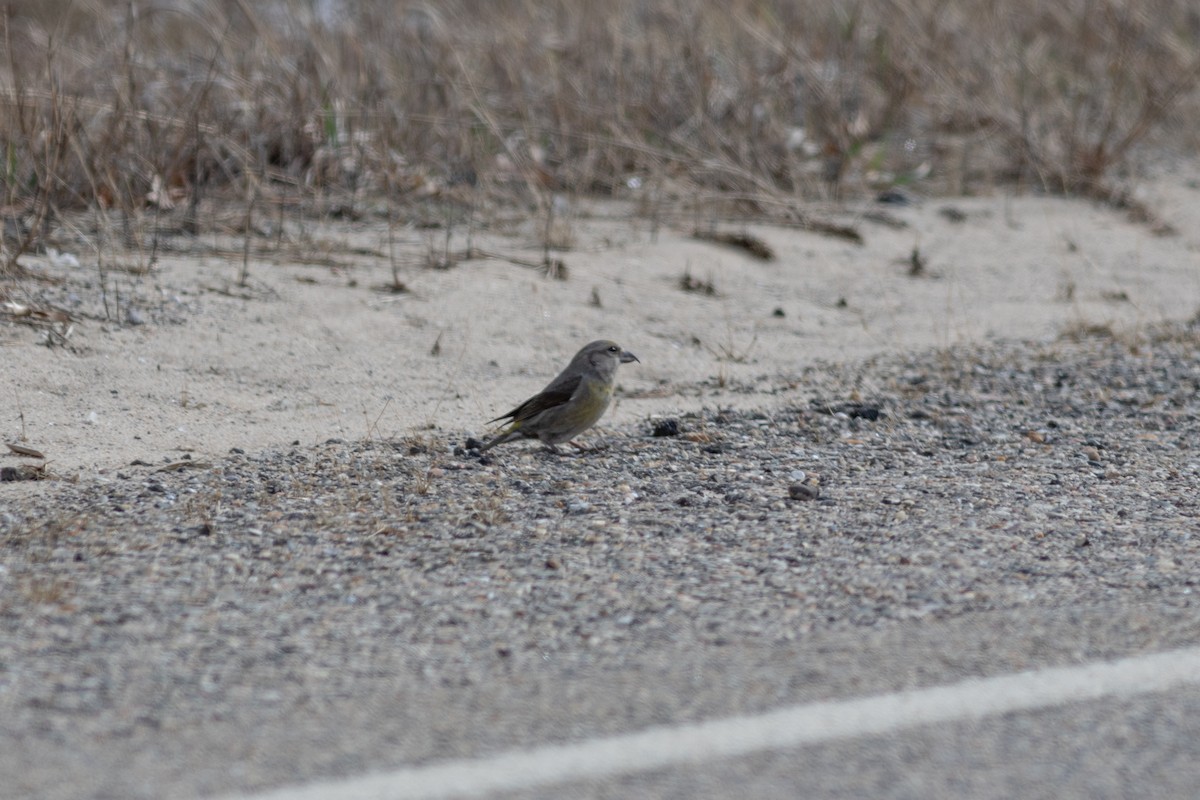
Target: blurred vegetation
(120,106)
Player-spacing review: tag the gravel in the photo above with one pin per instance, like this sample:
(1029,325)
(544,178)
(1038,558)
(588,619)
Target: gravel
(155,621)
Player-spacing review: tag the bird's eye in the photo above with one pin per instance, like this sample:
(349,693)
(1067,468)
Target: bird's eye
(614,349)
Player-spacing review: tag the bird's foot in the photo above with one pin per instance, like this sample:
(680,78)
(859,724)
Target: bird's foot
(595,447)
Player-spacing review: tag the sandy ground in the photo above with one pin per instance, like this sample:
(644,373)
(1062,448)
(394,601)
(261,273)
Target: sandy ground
(313,352)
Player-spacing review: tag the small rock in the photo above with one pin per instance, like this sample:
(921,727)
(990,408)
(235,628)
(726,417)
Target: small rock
(892,197)
(666,427)
(869,413)
(852,410)
(803,491)
(22,472)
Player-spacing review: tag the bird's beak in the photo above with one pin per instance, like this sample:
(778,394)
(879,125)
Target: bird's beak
(627,356)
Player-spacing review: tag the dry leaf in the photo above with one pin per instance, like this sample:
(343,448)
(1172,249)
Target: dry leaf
(22,450)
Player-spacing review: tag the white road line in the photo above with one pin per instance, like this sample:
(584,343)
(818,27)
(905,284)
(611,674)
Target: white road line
(795,726)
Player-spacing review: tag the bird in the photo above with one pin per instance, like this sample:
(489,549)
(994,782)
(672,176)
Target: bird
(571,403)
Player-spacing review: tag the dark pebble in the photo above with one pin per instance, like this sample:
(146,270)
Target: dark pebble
(666,427)
(803,491)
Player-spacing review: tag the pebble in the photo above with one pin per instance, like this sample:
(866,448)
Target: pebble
(665,427)
(803,491)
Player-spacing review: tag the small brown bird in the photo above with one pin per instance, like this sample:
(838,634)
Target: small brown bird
(571,403)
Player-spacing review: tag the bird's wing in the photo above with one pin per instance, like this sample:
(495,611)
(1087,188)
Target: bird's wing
(558,392)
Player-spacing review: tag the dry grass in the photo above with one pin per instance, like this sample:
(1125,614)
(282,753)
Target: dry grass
(224,115)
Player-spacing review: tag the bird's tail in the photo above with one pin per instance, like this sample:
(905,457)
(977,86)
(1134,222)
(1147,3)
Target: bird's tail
(505,436)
